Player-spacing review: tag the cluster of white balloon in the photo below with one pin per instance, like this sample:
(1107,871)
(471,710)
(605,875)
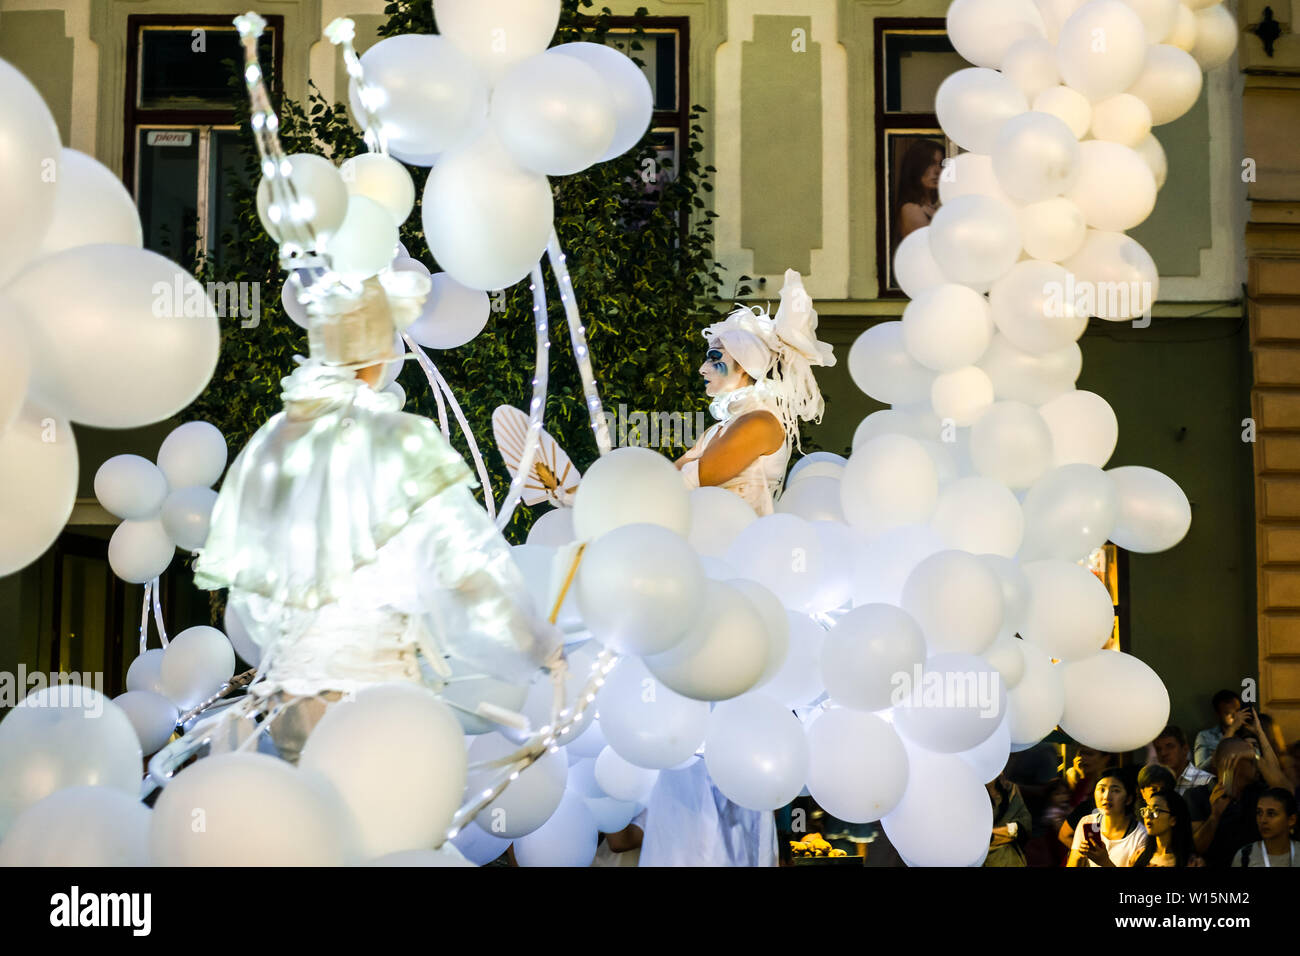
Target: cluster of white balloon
(164,506)
(93,328)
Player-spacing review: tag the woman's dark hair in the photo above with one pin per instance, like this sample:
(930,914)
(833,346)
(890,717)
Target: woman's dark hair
(920,156)
(1180,838)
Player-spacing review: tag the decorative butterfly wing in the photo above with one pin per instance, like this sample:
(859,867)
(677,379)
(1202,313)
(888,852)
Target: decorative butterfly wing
(552,477)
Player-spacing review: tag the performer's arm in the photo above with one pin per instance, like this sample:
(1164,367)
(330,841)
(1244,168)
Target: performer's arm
(743,442)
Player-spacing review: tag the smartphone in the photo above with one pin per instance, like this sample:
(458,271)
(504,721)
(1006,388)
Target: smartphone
(1092,833)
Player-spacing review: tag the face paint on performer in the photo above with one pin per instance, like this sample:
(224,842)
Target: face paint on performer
(721,371)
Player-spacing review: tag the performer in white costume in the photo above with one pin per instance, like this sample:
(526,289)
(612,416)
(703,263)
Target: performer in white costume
(758,372)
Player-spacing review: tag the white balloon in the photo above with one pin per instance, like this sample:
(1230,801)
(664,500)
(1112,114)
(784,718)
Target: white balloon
(1053,229)
(979,515)
(396,756)
(539,705)
(817,463)
(293,307)
(1031,64)
(139,551)
(568,838)
(975,238)
(623,780)
(91,205)
(1101,70)
(81,827)
(639,588)
(973,104)
(838,545)
(1035,705)
(1011,443)
(1068,105)
(193,454)
(130,487)
(1170,83)
(1183,35)
(945,815)
(498,34)
(427,95)
(256,811)
(756,752)
(956,600)
(1122,119)
(1083,426)
(865,651)
(882,368)
(782,552)
(776,623)
(15,365)
(1069,512)
(29,151)
(382,179)
(1116,277)
(717,516)
(1031,379)
(969,174)
(446,855)
(723,654)
(1114,702)
(647,723)
(1035,156)
(1055,13)
(798,682)
(962,395)
(629,486)
(363,244)
(125,336)
(589,743)
(478,846)
(884,563)
(466,689)
(1032,307)
(552,528)
(1008,659)
(237,631)
(152,715)
(453,314)
(145,672)
(486,219)
(322,198)
(531,797)
(949,704)
(553,114)
(195,664)
(1153,154)
(1158,17)
(612,815)
(186,516)
(64,735)
(914,267)
(889,481)
(1216,35)
(1115,189)
(947,327)
(990,758)
(983,30)
(1069,613)
(1154,513)
(628,87)
(857,765)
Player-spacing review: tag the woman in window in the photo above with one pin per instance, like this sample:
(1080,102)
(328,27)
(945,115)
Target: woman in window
(1111,835)
(917,199)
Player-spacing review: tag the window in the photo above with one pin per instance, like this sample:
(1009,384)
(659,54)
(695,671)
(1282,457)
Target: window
(181,150)
(912,58)
(660,46)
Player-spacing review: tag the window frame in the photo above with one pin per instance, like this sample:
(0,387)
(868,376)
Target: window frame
(205,120)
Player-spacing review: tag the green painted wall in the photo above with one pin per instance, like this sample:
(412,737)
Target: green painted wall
(1192,609)
(781,145)
(34,42)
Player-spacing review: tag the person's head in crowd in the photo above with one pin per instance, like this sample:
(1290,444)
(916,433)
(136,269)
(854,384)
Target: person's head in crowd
(1235,764)
(1088,762)
(1275,815)
(1172,750)
(1226,706)
(1114,793)
(1057,794)
(1169,828)
(1154,778)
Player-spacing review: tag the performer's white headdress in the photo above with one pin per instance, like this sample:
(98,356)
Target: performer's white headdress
(779,353)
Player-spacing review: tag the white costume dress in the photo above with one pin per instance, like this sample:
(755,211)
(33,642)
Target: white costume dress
(760,482)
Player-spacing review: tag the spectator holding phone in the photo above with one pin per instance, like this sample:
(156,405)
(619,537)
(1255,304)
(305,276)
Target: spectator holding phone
(1111,835)
(1227,705)
(1275,818)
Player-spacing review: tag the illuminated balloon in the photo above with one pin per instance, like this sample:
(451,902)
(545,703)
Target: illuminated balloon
(865,651)
(626,84)
(1069,512)
(1098,70)
(857,766)
(1069,613)
(1114,702)
(553,114)
(1154,513)
(956,600)
(973,104)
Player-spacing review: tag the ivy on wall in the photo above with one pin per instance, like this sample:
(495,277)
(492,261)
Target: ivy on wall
(640,256)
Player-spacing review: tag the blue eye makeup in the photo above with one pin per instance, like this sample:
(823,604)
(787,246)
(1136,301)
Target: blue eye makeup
(715,356)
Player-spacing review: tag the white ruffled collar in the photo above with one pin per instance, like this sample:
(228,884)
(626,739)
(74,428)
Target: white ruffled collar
(738,401)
